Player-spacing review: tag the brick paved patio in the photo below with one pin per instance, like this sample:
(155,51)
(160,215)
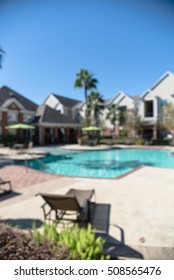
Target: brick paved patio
(20,177)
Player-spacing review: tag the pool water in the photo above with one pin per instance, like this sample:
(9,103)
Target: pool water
(102,163)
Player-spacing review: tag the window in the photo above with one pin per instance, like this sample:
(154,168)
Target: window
(12,117)
(148,108)
(27,117)
(123,108)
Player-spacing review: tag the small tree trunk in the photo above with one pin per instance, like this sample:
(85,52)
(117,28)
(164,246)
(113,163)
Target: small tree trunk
(86,113)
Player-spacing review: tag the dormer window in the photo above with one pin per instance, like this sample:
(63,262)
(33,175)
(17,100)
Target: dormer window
(148,108)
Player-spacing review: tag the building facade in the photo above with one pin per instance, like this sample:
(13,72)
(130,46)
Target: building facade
(15,108)
(152,102)
(58,119)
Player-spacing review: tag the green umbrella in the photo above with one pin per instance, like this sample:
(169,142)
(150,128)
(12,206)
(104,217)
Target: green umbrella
(20,126)
(91,128)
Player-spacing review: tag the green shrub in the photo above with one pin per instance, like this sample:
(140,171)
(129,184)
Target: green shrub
(123,133)
(120,140)
(161,141)
(139,142)
(16,245)
(81,242)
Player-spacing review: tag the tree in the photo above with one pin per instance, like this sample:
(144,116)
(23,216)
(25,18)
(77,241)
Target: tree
(166,119)
(1,56)
(95,104)
(87,81)
(113,114)
(133,122)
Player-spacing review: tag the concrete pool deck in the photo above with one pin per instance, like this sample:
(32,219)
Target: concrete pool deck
(135,213)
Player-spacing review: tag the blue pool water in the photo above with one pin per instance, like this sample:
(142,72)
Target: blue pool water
(101,164)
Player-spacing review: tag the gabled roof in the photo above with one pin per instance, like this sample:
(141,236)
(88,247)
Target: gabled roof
(46,114)
(123,94)
(147,91)
(116,96)
(7,93)
(161,79)
(78,105)
(67,102)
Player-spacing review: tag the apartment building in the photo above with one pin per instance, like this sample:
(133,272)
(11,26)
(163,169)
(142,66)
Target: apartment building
(149,106)
(58,119)
(15,108)
(152,102)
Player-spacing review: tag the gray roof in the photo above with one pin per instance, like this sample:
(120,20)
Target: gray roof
(107,101)
(67,102)
(136,98)
(7,93)
(46,114)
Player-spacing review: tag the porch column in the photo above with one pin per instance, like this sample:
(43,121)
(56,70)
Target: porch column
(56,132)
(20,120)
(52,135)
(41,135)
(67,135)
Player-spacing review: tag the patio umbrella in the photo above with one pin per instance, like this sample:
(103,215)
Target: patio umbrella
(91,128)
(20,126)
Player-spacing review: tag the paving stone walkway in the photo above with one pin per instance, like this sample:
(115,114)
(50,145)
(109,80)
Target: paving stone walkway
(20,177)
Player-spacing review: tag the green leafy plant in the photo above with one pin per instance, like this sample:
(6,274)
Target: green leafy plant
(139,142)
(81,242)
(123,133)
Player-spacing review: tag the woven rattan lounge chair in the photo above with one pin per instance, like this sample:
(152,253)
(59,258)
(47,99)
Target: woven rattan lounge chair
(5,182)
(74,202)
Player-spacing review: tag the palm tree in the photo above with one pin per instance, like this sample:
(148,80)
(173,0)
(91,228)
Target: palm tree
(95,104)
(87,81)
(1,56)
(113,114)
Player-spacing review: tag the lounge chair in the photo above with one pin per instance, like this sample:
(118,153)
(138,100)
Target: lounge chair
(3,182)
(75,201)
(19,148)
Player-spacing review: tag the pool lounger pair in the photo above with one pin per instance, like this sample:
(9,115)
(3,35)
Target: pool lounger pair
(75,201)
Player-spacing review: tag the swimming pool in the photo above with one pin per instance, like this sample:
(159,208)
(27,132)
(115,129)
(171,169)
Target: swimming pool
(101,163)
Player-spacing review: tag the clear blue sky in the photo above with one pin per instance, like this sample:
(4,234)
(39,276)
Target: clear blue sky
(126,44)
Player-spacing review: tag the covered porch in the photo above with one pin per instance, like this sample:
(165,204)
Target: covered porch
(57,135)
